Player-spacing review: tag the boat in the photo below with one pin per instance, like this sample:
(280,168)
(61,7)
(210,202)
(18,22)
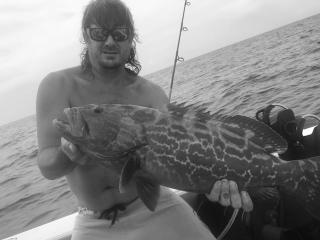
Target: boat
(60,229)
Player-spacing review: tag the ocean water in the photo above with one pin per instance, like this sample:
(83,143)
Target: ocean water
(280,66)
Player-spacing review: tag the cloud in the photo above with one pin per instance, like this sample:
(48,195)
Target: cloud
(37,36)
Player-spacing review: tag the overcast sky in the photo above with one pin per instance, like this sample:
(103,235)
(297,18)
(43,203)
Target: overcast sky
(40,36)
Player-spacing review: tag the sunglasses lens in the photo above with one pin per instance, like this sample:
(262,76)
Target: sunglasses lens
(100,34)
(120,34)
(96,34)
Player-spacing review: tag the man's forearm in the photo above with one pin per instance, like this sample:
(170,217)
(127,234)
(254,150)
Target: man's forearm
(53,163)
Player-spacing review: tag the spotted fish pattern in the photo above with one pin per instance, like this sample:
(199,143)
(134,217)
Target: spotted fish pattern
(189,148)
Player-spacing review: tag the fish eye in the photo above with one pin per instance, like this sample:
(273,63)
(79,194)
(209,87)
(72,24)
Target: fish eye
(98,110)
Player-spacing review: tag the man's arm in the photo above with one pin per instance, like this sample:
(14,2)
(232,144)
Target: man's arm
(51,100)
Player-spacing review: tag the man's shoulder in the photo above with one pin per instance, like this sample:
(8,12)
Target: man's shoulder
(65,73)
(155,94)
(61,78)
(148,85)
(57,83)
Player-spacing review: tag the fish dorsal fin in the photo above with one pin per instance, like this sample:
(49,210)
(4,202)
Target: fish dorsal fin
(262,134)
(194,111)
(148,188)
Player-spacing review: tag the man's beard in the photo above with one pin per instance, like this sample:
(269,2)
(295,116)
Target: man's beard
(113,66)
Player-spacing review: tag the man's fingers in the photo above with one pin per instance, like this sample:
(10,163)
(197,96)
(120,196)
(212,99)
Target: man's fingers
(247,204)
(215,192)
(235,195)
(225,193)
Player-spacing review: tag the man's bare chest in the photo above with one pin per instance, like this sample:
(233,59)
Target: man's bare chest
(83,95)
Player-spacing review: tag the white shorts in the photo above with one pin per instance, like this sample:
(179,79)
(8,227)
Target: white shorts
(173,219)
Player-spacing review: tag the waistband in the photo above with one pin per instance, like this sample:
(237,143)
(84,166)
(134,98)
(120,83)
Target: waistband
(83,211)
(110,214)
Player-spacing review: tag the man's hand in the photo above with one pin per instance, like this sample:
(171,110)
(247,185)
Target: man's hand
(226,193)
(73,153)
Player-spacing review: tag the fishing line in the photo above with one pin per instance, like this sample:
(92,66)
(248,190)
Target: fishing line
(177,58)
(229,225)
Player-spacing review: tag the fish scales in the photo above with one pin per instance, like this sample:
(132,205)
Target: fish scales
(188,148)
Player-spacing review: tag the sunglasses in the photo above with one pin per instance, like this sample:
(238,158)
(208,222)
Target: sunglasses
(102,34)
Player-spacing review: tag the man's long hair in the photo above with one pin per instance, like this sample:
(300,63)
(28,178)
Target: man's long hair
(109,13)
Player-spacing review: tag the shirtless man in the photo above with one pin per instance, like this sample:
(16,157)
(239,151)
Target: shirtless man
(109,74)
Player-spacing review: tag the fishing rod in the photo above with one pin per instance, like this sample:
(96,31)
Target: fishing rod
(177,58)
(180,59)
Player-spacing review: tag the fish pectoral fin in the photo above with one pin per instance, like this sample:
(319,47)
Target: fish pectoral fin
(129,169)
(148,189)
(147,185)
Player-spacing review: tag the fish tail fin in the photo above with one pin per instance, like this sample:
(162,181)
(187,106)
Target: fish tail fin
(307,189)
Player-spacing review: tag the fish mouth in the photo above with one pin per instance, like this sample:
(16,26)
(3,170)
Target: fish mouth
(81,128)
(75,124)
(61,125)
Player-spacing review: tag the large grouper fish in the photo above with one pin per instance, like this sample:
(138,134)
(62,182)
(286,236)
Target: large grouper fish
(188,148)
